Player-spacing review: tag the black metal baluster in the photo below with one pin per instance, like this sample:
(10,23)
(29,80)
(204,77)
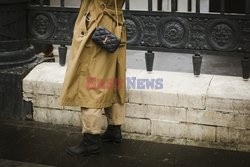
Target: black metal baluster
(197,60)
(127,5)
(149,57)
(247,6)
(198,6)
(222,6)
(62,54)
(245,63)
(190,5)
(150,5)
(159,5)
(62,3)
(174,5)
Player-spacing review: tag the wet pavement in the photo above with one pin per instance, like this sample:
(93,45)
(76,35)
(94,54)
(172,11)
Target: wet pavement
(25,143)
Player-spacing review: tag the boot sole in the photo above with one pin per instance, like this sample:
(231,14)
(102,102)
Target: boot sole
(83,154)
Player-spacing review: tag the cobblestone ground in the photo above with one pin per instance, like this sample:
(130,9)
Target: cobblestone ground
(31,144)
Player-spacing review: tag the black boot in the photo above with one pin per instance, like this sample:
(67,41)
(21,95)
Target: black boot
(112,134)
(90,144)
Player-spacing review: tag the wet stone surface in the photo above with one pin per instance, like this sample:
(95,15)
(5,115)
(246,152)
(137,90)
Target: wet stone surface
(35,144)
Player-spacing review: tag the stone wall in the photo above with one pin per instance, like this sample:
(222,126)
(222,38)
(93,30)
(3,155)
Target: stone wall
(208,111)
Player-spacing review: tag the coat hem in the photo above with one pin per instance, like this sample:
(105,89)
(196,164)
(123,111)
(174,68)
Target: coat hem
(91,105)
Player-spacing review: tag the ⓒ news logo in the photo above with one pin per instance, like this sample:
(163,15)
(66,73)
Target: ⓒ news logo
(132,83)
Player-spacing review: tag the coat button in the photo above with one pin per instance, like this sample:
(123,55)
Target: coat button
(103,6)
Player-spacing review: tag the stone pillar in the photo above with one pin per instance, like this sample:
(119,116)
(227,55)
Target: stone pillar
(16,56)
(15,49)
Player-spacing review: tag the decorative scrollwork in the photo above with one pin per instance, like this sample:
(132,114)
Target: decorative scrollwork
(198,38)
(159,31)
(134,29)
(173,32)
(150,31)
(131,29)
(222,35)
(42,26)
(65,23)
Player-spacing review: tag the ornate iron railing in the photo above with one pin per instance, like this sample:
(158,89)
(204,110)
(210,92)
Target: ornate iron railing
(182,32)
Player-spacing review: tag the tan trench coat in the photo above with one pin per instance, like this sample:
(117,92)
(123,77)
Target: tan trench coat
(88,63)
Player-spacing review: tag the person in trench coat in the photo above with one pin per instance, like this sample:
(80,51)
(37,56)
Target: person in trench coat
(95,78)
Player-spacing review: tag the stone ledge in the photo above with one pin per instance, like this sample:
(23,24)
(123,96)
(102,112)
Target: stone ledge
(46,78)
(217,118)
(206,109)
(230,94)
(181,90)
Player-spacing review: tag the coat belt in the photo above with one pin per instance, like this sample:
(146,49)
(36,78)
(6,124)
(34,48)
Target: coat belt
(110,11)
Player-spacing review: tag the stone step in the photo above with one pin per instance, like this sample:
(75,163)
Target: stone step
(210,109)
